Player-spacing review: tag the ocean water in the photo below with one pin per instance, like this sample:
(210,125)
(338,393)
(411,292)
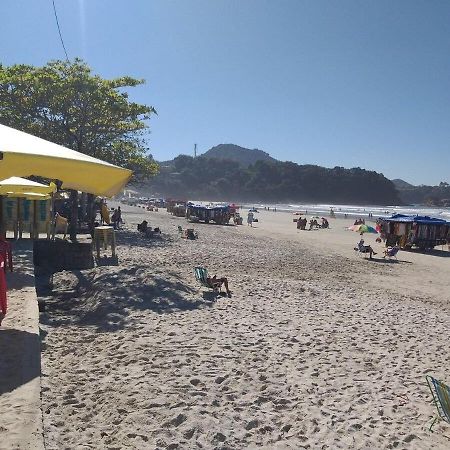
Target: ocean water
(356,211)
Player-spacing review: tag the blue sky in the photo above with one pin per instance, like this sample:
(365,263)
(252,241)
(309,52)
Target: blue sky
(334,83)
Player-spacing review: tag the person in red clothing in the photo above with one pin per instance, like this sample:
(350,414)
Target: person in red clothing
(3,303)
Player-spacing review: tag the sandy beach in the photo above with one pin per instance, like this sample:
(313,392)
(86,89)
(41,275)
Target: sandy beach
(318,347)
(20,386)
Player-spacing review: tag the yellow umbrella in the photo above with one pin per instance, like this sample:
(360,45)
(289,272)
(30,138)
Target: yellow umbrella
(16,186)
(23,154)
(28,195)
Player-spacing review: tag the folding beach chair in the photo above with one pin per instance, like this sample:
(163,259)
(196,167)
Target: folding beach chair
(441,398)
(391,252)
(201,275)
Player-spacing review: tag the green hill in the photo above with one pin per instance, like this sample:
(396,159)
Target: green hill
(218,178)
(244,156)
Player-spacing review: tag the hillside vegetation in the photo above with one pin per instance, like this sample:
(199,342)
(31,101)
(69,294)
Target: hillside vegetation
(244,156)
(425,195)
(270,181)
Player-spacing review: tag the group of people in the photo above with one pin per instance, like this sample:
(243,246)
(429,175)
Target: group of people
(114,219)
(313,223)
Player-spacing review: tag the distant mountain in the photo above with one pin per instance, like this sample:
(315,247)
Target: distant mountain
(401,184)
(244,156)
(423,195)
(247,177)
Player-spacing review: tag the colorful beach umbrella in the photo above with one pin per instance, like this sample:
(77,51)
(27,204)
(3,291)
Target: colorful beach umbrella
(363,228)
(23,155)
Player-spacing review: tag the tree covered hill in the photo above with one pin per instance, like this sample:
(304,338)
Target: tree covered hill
(270,181)
(425,195)
(244,156)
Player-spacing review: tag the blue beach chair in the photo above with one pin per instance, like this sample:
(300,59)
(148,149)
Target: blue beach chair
(391,252)
(441,398)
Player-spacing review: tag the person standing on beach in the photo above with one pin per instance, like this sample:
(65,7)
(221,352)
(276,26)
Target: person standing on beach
(250,218)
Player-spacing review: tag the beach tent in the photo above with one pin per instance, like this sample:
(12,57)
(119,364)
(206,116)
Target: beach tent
(21,187)
(23,154)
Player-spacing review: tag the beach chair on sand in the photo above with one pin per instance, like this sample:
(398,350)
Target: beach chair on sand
(391,252)
(201,275)
(441,398)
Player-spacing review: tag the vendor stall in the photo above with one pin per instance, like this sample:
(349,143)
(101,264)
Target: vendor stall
(419,231)
(197,212)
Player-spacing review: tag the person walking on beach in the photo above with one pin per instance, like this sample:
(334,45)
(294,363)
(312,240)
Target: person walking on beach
(250,218)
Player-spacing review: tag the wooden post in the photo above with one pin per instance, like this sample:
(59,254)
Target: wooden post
(18,227)
(73,226)
(91,213)
(34,226)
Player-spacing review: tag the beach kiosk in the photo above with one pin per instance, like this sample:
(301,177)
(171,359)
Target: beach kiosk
(217,213)
(25,206)
(414,231)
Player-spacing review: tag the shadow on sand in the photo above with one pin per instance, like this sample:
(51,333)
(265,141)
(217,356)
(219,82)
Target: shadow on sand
(22,275)
(136,239)
(432,252)
(16,371)
(105,301)
(388,261)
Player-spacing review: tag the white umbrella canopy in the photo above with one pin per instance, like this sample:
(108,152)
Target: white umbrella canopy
(22,154)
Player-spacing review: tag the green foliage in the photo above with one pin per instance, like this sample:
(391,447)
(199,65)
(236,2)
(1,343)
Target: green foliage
(65,103)
(430,195)
(244,156)
(266,181)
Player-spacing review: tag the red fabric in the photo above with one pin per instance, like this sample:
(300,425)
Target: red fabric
(6,252)
(3,303)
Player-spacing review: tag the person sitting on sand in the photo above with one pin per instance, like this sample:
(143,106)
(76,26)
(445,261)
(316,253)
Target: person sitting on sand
(217,282)
(365,248)
(143,227)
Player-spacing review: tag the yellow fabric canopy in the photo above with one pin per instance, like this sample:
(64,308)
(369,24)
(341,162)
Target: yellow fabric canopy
(16,186)
(23,154)
(28,195)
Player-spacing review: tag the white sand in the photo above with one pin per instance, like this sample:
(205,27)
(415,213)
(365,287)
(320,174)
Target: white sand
(20,413)
(317,348)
